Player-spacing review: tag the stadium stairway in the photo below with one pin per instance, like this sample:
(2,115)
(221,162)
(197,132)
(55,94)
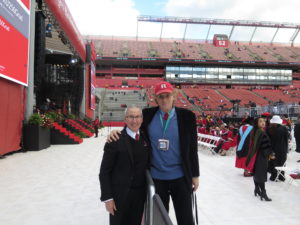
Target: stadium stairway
(265,98)
(222,95)
(60,135)
(195,108)
(73,125)
(84,124)
(116,100)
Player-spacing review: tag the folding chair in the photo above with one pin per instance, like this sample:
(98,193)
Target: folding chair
(288,171)
(281,171)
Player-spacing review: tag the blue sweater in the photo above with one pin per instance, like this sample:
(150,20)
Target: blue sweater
(165,165)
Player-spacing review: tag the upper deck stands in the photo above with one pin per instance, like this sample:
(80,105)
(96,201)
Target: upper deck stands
(192,50)
(240,52)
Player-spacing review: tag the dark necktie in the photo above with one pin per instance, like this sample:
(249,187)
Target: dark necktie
(137,136)
(166,116)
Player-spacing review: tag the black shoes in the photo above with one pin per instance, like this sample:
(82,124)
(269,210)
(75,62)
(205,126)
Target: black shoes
(281,178)
(264,196)
(272,178)
(257,192)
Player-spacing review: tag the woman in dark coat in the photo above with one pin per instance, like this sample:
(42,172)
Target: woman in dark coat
(279,140)
(257,158)
(297,134)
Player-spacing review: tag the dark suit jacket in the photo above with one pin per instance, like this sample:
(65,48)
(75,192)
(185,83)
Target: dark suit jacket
(188,139)
(297,131)
(117,169)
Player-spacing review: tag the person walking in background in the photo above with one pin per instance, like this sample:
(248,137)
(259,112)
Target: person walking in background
(258,156)
(287,122)
(123,172)
(96,125)
(243,145)
(174,167)
(297,134)
(279,139)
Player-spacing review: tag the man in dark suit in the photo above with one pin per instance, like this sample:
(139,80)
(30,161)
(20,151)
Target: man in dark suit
(174,163)
(122,173)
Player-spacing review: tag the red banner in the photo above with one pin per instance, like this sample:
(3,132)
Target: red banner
(11,115)
(63,16)
(14,44)
(93,51)
(26,3)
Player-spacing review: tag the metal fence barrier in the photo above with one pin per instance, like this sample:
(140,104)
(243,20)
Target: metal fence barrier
(155,212)
(160,214)
(293,111)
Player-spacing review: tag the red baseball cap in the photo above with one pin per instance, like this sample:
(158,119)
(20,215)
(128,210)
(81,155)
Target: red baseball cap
(163,87)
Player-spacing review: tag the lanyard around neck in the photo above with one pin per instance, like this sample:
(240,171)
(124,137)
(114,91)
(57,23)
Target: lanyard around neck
(165,126)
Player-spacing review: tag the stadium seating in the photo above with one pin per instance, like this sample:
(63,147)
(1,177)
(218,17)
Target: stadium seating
(196,50)
(276,95)
(206,98)
(244,95)
(116,100)
(240,52)
(296,84)
(117,82)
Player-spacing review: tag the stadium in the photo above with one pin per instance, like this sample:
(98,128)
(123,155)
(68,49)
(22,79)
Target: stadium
(209,73)
(55,82)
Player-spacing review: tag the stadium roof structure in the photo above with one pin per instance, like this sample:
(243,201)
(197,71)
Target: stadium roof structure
(270,30)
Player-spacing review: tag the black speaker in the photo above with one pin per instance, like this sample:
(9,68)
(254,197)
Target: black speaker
(88,57)
(39,57)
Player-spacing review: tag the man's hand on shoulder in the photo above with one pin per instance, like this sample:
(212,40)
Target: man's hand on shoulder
(113,136)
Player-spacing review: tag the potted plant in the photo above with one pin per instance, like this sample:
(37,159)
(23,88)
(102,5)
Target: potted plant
(36,133)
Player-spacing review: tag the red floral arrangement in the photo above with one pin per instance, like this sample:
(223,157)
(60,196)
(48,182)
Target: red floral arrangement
(46,122)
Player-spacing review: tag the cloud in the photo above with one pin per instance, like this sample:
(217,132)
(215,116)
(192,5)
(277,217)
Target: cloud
(119,17)
(267,10)
(104,17)
(270,10)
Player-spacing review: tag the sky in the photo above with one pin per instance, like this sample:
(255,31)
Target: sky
(119,17)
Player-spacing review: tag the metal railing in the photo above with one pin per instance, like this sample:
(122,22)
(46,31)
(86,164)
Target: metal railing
(149,200)
(291,110)
(155,212)
(160,214)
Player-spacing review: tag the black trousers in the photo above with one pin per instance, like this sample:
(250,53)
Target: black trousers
(276,162)
(181,196)
(298,145)
(96,130)
(132,210)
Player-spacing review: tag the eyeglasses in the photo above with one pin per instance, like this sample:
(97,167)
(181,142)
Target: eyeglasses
(134,117)
(164,96)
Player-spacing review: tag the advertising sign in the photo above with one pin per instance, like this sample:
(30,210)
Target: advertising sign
(14,40)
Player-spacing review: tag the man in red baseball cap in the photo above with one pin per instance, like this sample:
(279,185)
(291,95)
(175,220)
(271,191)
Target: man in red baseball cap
(173,138)
(165,96)
(163,87)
